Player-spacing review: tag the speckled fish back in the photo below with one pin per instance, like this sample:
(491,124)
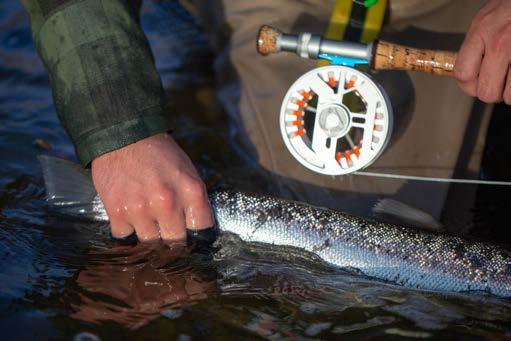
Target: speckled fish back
(402,255)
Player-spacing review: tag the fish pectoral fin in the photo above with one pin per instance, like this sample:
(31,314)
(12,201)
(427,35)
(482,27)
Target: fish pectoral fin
(407,214)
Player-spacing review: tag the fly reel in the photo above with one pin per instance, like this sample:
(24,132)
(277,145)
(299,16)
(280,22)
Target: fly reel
(335,120)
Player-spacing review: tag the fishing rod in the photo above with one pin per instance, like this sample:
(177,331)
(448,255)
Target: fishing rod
(380,55)
(337,120)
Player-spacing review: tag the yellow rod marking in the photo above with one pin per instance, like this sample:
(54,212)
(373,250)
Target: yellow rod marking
(373,21)
(338,22)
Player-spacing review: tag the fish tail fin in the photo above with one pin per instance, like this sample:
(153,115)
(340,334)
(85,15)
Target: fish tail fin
(407,214)
(69,187)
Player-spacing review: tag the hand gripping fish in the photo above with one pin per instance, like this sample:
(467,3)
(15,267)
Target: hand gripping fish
(397,254)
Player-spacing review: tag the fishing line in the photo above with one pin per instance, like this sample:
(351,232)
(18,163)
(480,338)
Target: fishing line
(434,179)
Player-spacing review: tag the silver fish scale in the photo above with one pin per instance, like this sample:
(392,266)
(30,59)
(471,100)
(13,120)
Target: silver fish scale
(393,253)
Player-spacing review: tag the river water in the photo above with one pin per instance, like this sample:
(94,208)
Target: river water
(66,279)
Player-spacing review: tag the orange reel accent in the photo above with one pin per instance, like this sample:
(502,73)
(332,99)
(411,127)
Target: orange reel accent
(347,155)
(300,132)
(338,156)
(306,95)
(356,151)
(300,103)
(331,81)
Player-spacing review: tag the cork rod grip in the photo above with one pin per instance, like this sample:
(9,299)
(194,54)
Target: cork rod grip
(389,56)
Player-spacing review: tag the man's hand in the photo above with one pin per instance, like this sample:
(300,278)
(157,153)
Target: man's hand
(151,187)
(483,63)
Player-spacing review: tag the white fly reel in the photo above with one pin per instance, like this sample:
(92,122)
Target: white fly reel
(335,120)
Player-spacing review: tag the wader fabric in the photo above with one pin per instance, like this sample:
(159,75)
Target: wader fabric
(431,112)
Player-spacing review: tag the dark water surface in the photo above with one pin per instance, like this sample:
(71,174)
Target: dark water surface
(63,279)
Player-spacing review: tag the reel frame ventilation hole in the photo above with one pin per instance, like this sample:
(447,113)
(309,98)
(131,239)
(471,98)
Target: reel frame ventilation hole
(329,114)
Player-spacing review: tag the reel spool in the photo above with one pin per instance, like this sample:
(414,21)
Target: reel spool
(335,120)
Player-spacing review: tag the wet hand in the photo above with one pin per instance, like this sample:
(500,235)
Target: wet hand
(483,64)
(152,188)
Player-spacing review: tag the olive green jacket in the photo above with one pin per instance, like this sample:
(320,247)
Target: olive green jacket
(106,89)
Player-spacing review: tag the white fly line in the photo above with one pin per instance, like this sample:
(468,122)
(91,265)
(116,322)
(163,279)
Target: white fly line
(433,179)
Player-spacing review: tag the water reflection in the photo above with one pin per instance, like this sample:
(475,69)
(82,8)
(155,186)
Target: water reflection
(286,293)
(133,285)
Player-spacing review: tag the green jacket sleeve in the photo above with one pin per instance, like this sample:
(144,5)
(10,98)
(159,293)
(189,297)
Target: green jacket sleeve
(106,89)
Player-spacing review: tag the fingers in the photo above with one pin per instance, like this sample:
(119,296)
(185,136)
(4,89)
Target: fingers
(198,216)
(468,63)
(164,215)
(147,229)
(483,61)
(492,77)
(172,226)
(137,212)
(167,210)
(495,65)
(190,209)
(170,217)
(507,90)
(198,210)
(120,229)
(125,219)
(151,187)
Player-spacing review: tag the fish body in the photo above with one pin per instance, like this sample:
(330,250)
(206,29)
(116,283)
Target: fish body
(402,255)
(398,254)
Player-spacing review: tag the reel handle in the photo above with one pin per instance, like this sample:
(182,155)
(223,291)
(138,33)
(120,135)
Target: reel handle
(390,56)
(381,55)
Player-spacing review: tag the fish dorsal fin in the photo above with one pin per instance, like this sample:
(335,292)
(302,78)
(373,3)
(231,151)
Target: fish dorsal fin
(407,214)
(68,185)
